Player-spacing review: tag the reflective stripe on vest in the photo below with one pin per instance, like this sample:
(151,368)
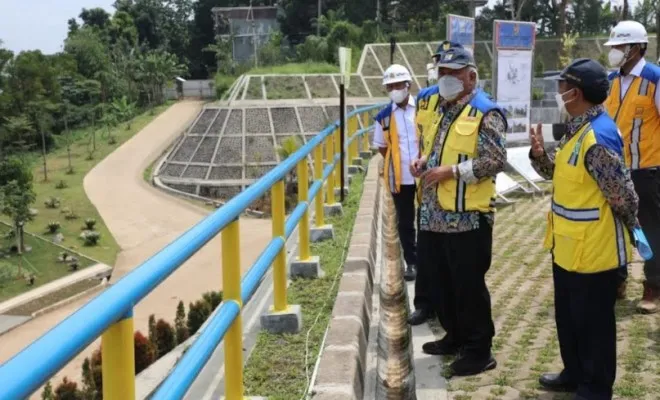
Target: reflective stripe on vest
(583,233)
(637,117)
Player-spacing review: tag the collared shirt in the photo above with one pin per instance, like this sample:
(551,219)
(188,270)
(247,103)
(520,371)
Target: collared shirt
(408,143)
(626,81)
(604,165)
(487,163)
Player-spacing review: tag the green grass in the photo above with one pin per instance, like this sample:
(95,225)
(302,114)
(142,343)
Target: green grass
(296,68)
(276,367)
(73,196)
(41,261)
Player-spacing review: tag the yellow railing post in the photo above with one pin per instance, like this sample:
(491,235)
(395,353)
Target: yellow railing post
(352,130)
(318,176)
(231,288)
(303,226)
(338,149)
(366,146)
(329,159)
(279,265)
(118,355)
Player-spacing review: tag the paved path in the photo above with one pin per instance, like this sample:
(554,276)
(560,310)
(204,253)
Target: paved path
(143,220)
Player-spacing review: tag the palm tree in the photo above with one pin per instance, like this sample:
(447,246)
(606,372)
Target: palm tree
(124,110)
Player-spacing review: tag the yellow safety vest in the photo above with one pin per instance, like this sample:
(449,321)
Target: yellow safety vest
(461,145)
(583,233)
(637,117)
(392,165)
(427,121)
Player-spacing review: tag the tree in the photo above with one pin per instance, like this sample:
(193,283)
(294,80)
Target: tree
(165,337)
(16,194)
(145,352)
(47,393)
(124,110)
(180,323)
(198,312)
(213,299)
(67,390)
(152,329)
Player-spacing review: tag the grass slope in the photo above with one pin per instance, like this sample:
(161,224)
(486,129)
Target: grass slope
(277,367)
(73,196)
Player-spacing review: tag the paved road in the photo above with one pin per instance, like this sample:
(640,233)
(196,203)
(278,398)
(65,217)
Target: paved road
(143,220)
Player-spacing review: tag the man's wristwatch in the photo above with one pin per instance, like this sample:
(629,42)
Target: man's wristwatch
(454,171)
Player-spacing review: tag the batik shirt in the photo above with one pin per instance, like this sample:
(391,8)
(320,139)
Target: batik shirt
(489,160)
(605,166)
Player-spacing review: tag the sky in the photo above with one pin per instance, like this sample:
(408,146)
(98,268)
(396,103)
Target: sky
(42,24)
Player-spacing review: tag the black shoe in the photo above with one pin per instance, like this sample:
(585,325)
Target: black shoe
(556,383)
(468,364)
(418,317)
(442,347)
(410,273)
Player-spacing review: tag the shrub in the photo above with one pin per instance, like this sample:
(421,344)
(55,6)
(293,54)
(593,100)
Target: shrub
(89,386)
(61,185)
(89,224)
(69,214)
(145,352)
(54,226)
(67,390)
(165,337)
(198,312)
(222,84)
(47,393)
(213,299)
(74,265)
(52,202)
(112,140)
(152,329)
(180,323)
(91,238)
(64,257)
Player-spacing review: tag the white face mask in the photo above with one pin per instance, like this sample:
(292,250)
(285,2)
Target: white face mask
(450,87)
(616,57)
(561,104)
(398,96)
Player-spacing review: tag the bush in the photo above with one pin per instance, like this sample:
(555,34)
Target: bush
(180,323)
(52,202)
(213,299)
(67,390)
(64,257)
(222,84)
(47,393)
(90,223)
(152,329)
(145,352)
(74,265)
(165,337)
(69,214)
(54,226)
(61,185)
(198,312)
(91,238)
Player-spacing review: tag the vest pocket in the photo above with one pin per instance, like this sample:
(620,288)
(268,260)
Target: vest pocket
(568,242)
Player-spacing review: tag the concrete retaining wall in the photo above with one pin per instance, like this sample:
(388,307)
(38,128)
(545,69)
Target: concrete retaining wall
(341,371)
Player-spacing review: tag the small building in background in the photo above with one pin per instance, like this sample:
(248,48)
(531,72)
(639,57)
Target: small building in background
(248,28)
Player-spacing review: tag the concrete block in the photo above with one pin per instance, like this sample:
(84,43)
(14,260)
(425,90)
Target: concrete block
(354,169)
(366,155)
(337,191)
(306,269)
(357,161)
(340,368)
(322,233)
(287,321)
(333,209)
(335,394)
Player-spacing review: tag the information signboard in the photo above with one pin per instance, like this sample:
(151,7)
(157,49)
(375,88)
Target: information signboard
(461,30)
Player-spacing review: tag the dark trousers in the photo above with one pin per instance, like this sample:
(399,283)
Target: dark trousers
(647,186)
(586,327)
(458,263)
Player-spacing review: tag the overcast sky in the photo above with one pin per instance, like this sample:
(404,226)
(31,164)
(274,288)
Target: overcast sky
(41,24)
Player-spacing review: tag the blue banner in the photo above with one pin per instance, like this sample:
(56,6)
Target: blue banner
(460,30)
(515,35)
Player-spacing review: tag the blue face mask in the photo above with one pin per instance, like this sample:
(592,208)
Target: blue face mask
(642,244)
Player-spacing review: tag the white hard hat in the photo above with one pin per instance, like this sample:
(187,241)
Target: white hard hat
(627,32)
(396,73)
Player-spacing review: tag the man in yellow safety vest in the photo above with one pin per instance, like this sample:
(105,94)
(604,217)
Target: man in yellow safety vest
(592,215)
(634,104)
(460,158)
(396,139)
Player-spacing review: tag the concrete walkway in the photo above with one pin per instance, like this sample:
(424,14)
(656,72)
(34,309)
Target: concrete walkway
(143,220)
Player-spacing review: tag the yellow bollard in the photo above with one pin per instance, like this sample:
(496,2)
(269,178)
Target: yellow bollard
(231,279)
(353,147)
(303,226)
(279,265)
(318,176)
(337,150)
(329,158)
(118,355)
(366,146)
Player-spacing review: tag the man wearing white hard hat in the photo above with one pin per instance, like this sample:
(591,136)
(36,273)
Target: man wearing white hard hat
(634,104)
(396,138)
